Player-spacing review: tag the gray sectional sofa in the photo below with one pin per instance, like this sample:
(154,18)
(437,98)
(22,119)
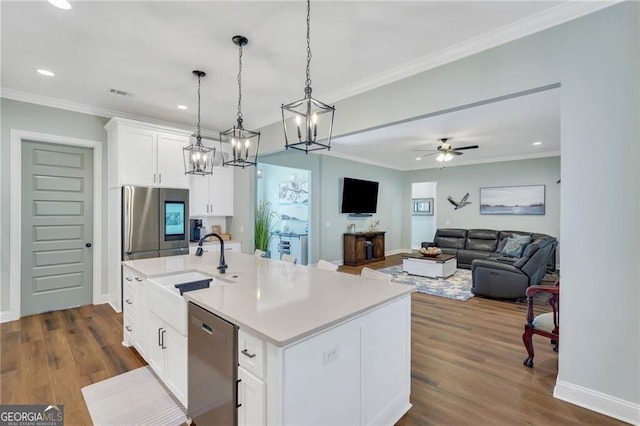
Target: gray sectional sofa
(494,273)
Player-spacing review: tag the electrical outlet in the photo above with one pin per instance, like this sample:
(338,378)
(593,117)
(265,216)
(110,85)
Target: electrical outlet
(327,224)
(331,354)
(447,222)
(241,229)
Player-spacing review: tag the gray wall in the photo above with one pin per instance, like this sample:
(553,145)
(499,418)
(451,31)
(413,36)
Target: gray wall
(457,181)
(595,59)
(35,118)
(328,224)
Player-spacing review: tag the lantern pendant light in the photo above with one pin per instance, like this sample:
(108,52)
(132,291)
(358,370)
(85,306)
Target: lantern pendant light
(309,115)
(198,159)
(244,143)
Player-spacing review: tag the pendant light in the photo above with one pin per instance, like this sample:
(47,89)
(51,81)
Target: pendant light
(244,143)
(198,159)
(309,114)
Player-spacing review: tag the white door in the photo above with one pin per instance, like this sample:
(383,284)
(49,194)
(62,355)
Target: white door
(57,227)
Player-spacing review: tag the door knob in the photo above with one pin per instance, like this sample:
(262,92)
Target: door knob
(87,245)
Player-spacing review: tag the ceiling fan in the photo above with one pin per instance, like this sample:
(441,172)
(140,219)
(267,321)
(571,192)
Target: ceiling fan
(445,151)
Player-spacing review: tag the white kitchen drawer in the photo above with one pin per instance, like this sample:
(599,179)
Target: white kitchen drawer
(128,330)
(168,305)
(128,298)
(251,353)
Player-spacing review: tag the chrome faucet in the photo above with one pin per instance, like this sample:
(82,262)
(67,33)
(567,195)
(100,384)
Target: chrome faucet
(223,266)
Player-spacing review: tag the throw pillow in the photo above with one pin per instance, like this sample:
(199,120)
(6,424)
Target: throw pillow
(501,245)
(523,239)
(512,248)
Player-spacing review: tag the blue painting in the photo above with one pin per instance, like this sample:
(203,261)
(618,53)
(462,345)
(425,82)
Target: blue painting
(525,200)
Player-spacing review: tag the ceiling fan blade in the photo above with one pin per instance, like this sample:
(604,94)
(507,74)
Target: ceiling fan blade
(455,152)
(425,150)
(466,147)
(427,155)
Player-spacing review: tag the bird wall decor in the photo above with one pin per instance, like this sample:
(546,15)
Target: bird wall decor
(459,204)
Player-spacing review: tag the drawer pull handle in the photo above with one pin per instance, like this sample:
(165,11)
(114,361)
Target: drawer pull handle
(163,346)
(138,279)
(128,328)
(129,301)
(247,354)
(128,278)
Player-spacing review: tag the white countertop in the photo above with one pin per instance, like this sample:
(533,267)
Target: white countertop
(278,301)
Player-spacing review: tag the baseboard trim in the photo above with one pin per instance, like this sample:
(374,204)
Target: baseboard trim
(397,251)
(597,401)
(6,316)
(113,307)
(101,300)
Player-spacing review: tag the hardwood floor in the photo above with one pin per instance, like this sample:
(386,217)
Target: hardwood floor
(466,363)
(48,358)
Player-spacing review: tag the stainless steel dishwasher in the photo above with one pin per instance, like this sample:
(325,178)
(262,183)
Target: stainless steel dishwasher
(213,368)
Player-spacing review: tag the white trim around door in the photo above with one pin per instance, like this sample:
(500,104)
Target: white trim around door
(15,243)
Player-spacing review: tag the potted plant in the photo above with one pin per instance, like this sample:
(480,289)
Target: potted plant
(264,221)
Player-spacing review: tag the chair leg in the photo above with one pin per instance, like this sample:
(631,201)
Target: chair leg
(527,339)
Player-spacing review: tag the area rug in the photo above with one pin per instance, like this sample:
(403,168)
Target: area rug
(133,398)
(457,286)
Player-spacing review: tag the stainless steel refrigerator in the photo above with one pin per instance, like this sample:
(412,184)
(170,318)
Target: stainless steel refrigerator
(154,222)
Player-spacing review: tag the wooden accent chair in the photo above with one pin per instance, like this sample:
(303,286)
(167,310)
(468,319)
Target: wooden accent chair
(547,324)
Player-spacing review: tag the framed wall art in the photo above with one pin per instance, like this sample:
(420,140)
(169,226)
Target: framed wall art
(524,200)
(422,206)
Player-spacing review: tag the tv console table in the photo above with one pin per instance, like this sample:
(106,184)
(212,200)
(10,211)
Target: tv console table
(363,247)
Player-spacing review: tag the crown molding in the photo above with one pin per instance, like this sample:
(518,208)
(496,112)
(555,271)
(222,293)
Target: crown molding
(544,20)
(547,19)
(66,105)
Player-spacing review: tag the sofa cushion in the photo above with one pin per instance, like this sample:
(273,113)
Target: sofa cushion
(512,248)
(451,232)
(481,239)
(466,257)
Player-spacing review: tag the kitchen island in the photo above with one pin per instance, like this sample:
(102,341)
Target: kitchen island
(314,346)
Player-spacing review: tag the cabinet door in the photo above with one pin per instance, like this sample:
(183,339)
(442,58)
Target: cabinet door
(199,195)
(171,162)
(222,192)
(251,397)
(359,251)
(137,156)
(378,246)
(156,356)
(176,364)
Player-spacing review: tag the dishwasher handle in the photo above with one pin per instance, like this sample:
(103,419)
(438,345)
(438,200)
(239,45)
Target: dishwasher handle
(237,386)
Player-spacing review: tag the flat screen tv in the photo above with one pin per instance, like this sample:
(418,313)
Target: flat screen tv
(359,196)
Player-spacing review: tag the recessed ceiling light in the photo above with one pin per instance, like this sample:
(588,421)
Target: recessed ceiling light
(418,158)
(61,4)
(46,72)
(182,107)
(537,143)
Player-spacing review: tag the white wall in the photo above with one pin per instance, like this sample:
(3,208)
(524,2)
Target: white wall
(423,227)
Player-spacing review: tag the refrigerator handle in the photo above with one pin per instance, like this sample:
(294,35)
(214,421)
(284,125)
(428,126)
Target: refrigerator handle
(159,177)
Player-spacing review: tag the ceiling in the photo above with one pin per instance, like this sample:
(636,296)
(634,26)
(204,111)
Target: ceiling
(149,48)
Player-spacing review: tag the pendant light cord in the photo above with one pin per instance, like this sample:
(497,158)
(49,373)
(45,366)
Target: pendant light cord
(240,85)
(308,82)
(199,138)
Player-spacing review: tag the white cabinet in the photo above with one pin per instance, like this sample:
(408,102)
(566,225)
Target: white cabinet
(252,401)
(145,154)
(167,339)
(356,373)
(212,195)
(134,310)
